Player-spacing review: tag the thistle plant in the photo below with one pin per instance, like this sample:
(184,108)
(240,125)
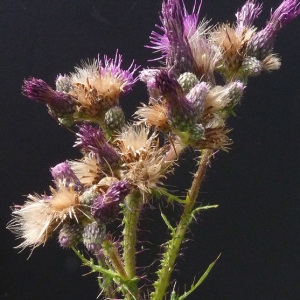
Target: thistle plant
(95,204)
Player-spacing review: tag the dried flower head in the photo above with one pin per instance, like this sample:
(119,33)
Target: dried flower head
(35,221)
(154,114)
(214,138)
(135,144)
(222,97)
(143,157)
(87,169)
(232,45)
(271,62)
(206,56)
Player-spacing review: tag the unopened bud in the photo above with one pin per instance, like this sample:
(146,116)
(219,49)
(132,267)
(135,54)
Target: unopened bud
(69,235)
(187,80)
(114,118)
(93,235)
(251,66)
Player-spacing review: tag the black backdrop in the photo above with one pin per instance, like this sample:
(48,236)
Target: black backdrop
(256,184)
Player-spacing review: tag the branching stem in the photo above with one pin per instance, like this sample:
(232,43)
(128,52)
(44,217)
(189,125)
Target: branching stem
(173,246)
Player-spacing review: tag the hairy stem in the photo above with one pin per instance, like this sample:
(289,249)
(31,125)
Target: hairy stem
(131,219)
(173,246)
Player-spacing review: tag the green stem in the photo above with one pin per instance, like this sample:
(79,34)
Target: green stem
(131,219)
(95,268)
(173,246)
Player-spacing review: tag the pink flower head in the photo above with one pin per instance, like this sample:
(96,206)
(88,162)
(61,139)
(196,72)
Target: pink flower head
(112,68)
(40,91)
(91,139)
(182,112)
(286,12)
(169,87)
(105,207)
(261,44)
(63,175)
(247,14)
(177,27)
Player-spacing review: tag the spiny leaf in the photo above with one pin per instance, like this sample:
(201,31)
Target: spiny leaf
(95,268)
(170,197)
(201,279)
(172,229)
(197,209)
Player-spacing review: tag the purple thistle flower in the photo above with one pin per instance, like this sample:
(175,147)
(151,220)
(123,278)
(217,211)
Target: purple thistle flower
(91,139)
(286,12)
(181,112)
(261,43)
(177,27)
(112,67)
(169,87)
(190,22)
(40,91)
(247,14)
(63,175)
(106,207)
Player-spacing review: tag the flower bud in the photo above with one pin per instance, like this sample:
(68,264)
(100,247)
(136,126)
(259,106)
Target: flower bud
(88,196)
(236,89)
(69,235)
(114,118)
(196,132)
(251,66)
(93,235)
(187,80)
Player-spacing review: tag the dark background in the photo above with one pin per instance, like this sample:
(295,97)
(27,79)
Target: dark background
(256,184)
